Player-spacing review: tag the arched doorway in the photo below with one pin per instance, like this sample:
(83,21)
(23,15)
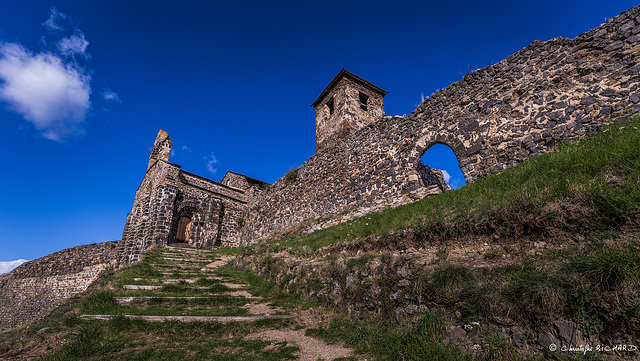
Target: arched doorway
(441,156)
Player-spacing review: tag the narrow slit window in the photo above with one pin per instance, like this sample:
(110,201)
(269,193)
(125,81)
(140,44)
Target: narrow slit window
(363,101)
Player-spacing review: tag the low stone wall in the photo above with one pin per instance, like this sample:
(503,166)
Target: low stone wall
(36,287)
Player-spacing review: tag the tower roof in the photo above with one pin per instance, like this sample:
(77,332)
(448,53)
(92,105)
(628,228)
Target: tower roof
(346,74)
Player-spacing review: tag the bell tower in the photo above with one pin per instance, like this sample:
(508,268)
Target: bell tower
(347,104)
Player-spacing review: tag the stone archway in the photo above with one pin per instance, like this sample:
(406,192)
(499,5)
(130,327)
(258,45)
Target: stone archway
(416,169)
(441,159)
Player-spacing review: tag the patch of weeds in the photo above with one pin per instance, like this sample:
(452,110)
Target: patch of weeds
(101,302)
(291,175)
(203,281)
(536,294)
(442,254)
(386,340)
(219,288)
(240,221)
(503,271)
(609,267)
(497,347)
(386,258)
(447,278)
(360,262)
(482,301)
(260,286)
(606,234)
(89,342)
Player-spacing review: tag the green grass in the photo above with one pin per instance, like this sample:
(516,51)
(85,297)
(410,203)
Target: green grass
(103,303)
(125,339)
(385,340)
(610,267)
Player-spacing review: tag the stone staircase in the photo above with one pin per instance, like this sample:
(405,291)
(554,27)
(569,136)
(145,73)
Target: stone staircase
(192,274)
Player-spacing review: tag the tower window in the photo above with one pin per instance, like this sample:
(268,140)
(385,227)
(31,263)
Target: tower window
(330,105)
(363,101)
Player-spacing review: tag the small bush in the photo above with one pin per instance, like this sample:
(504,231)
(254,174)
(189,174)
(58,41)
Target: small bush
(291,175)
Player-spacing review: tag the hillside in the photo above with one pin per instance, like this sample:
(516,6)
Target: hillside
(545,253)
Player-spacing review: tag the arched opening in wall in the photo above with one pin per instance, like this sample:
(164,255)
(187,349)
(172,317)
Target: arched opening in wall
(441,157)
(185,221)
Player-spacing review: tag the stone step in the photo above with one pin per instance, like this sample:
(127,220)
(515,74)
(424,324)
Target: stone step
(183,250)
(173,254)
(186,259)
(141,287)
(165,280)
(221,319)
(174,266)
(183,274)
(153,287)
(126,300)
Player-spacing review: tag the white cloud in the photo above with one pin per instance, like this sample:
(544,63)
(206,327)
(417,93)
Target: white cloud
(187,149)
(211,161)
(55,17)
(110,95)
(456,183)
(446,176)
(46,91)
(49,89)
(8,266)
(74,44)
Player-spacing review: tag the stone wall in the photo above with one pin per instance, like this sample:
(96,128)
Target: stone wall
(36,287)
(494,118)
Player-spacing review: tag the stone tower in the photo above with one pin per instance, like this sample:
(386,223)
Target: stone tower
(347,103)
(161,148)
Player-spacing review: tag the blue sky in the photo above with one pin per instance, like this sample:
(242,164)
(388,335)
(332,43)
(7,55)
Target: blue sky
(85,86)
